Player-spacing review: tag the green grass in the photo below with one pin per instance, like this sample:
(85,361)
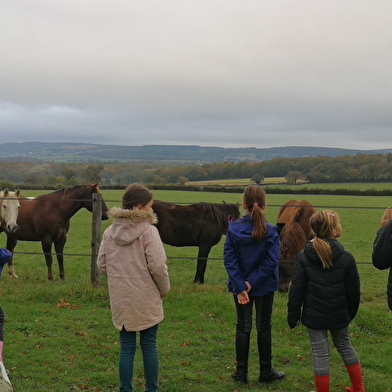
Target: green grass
(59,336)
(280,182)
(236,181)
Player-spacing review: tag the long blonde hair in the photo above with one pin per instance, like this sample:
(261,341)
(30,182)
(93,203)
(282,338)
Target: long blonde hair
(386,217)
(254,200)
(324,224)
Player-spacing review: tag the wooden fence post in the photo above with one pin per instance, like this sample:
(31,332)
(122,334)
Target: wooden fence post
(96,236)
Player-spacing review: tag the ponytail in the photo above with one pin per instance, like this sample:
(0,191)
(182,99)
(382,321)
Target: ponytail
(258,220)
(323,251)
(323,224)
(254,200)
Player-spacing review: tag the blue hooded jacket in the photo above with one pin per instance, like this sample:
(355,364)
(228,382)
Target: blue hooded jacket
(246,259)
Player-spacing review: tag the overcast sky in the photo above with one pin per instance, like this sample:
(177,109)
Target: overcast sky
(227,73)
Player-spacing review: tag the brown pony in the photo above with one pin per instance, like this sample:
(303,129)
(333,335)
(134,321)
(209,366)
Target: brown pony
(46,219)
(201,224)
(295,214)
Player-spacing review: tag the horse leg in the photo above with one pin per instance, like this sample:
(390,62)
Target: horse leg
(204,251)
(59,247)
(47,249)
(286,271)
(11,243)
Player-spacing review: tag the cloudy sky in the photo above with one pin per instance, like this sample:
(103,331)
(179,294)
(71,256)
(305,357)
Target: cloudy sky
(228,73)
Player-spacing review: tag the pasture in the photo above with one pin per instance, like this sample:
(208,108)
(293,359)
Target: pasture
(280,182)
(59,336)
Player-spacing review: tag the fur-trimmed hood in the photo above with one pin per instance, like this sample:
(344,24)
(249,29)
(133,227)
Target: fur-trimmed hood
(135,215)
(128,225)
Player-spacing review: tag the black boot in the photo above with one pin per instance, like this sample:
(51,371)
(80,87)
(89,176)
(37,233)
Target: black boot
(242,340)
(267,373)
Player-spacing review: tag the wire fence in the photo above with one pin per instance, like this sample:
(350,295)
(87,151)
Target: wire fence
(195,257)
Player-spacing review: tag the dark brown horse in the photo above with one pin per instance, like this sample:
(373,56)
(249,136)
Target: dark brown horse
(46,219)
(201,224)
(295,214)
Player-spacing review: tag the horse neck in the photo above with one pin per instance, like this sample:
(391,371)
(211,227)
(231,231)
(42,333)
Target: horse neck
(67,207)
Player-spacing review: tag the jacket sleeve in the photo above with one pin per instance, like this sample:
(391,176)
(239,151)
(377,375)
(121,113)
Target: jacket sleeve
(101,260)
(230,259)
(297,293)
(353,287)
(156,260)
(382,247)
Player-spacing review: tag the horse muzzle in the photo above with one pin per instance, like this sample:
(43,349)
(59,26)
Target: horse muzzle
(11,228)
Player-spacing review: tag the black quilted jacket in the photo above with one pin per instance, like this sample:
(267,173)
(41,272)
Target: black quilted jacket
(324,298)
(382,255)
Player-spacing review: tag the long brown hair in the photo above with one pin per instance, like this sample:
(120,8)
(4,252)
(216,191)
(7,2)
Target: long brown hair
(134,195)
(254,200)
(323,224)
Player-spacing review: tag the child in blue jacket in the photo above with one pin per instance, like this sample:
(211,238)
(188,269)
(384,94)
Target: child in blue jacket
(251,256)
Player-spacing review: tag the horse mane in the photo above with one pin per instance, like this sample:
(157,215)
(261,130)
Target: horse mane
(220,212)
(63,193)
(295,214)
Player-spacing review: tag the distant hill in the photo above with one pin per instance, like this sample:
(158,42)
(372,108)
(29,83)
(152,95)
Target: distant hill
(187,154)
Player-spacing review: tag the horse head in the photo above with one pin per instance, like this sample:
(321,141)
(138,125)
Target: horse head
(295,214)
(84,194)
(9,210)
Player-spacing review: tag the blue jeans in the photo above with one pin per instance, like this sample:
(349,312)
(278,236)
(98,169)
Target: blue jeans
(150,358)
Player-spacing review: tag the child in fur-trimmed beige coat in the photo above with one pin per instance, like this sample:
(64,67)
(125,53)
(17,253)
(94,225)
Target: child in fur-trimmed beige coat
(132,257)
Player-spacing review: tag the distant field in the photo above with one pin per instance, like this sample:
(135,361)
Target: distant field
(237,181)
(280,182)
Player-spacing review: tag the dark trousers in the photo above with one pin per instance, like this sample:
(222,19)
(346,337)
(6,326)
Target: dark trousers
(263,307)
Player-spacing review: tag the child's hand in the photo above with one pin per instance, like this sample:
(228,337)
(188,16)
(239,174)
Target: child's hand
(243,297)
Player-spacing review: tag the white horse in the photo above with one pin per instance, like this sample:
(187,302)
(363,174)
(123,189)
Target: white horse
(9,209)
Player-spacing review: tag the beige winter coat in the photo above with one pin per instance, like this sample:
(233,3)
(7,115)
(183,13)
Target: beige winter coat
(132,257)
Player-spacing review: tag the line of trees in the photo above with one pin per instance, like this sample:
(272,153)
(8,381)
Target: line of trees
(349,168)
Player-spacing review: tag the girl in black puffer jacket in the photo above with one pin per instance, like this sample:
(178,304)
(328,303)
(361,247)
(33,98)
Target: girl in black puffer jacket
(324,295)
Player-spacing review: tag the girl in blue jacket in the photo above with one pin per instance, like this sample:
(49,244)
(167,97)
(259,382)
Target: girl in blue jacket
(251,256)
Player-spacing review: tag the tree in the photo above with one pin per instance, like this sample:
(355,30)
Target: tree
(182,180)
(257,178)
(93,173)
(293,176)
(68,173)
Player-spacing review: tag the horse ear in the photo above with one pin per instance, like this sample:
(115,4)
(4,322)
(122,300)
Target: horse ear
(17,193)
(6,192)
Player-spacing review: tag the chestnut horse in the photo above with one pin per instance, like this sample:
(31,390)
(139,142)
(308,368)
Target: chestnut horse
(9,209)
(46,219)
(295,214)
(200,224)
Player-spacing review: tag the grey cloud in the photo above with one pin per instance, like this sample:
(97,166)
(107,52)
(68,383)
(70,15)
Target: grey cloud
(214,72)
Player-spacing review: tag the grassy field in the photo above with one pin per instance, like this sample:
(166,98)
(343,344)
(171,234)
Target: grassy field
(280,182)
(59,336)
(236,182)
